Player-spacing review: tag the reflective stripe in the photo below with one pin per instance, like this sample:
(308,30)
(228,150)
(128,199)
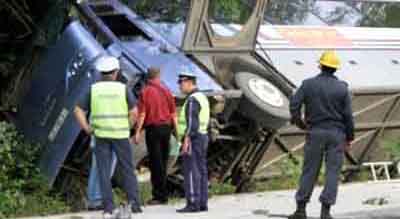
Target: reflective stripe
(109,108)
(111,96)
(120,116)
(189,123)
(111,129)
(191,187)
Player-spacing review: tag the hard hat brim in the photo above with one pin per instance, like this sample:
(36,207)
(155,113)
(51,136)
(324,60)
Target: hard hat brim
(329,64)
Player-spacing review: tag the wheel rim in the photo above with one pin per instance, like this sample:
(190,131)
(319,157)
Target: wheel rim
(266,91)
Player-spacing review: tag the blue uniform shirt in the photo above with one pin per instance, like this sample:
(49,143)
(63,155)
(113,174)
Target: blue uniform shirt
(327,103)
(192,113)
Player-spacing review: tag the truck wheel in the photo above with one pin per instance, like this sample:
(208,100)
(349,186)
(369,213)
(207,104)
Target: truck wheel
(262,101)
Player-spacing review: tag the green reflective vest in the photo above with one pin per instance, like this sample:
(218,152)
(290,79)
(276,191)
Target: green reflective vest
(204,116)
(109,110)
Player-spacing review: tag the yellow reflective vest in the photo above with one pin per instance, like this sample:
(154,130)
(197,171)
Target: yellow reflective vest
(109,110)
(204,116)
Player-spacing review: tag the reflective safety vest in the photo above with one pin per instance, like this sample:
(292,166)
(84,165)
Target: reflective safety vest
(204,115)
(109,110)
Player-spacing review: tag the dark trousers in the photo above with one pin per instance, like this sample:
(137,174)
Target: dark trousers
(157,141)
(195,172)
(123,150)
(322,144)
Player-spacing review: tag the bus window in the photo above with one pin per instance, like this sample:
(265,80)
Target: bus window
(352,13)
(290,12)
(379,14)
(337,13)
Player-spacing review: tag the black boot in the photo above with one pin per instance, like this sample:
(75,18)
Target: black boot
(189,208)
(300,212)
(203,208)
(135,207)
(325,211)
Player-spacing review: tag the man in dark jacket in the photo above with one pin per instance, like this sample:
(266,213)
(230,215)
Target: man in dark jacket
(329,125)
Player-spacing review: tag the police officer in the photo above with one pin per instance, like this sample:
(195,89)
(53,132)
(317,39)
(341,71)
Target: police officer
(329,125)
(192,131)
(111,107)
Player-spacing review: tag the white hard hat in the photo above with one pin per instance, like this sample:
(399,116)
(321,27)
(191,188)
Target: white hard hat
(107,64)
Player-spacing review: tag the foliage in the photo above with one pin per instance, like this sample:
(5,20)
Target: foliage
(161,10)
(230,11)
(393,148)
(144,194)
(225,11)
(22,189)
(221,189)
(392,18)
(288,178)
(145,191)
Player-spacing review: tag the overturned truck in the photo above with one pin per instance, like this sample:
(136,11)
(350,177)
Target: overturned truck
(248,71)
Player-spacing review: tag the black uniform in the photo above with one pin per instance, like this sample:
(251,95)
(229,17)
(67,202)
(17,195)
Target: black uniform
(329,121)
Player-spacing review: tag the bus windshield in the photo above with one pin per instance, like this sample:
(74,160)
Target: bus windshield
(355,13)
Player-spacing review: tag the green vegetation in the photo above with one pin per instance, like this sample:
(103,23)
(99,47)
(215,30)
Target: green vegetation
(222,11)
(22,189)
(221,189)
(145,192)
(288,179)
(230,11)
(393,148)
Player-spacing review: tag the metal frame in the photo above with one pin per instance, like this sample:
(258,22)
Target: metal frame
(368,133)
(200,37)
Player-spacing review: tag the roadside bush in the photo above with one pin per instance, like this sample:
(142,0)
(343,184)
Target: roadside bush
(393,148)
(23,191)
(221,189)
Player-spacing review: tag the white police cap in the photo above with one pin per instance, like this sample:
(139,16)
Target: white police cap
(107,64)
(186,74)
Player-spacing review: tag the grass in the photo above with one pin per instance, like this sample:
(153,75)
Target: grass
(288,180)
(221,189)
(393,148)
(42,205)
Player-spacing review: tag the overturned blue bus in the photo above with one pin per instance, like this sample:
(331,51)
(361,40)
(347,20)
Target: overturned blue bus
(247,69)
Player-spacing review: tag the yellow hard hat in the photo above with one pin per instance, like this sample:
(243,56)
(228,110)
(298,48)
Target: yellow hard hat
(330,59)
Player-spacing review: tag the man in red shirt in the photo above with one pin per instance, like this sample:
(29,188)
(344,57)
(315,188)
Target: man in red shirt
(157,115)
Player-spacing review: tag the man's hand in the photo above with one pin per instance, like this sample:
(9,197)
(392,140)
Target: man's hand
(132,140)
(186,145)
(175,133)
(175,124)
(136,137)
(80,116)
(133,116)
(347,146)
(88,130)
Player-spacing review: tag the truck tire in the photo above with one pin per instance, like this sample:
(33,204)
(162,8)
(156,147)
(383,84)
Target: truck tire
(262,101)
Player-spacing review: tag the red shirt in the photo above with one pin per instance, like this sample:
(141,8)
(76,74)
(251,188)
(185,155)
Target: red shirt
(157,102)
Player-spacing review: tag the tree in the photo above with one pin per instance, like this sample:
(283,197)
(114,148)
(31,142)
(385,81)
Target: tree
(25,27)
